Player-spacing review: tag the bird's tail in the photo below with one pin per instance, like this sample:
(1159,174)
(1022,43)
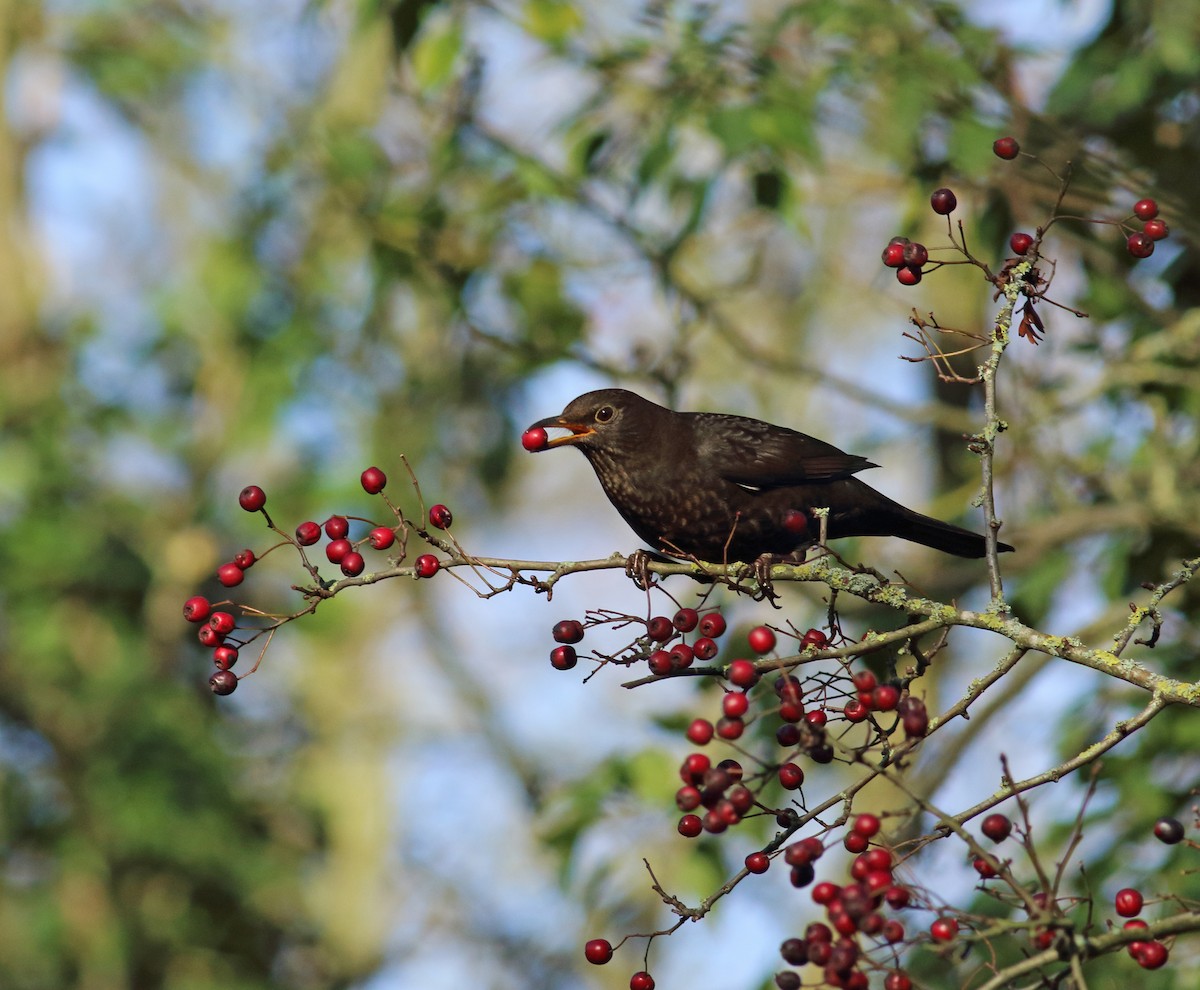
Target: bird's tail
(948,538)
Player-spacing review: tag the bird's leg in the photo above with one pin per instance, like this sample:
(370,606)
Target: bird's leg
(823,519)
(637,567)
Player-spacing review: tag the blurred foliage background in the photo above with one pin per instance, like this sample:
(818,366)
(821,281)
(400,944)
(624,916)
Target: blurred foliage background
(276,242)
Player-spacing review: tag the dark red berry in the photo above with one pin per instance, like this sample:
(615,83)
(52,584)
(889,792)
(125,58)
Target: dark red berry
(816,718)
(440,517)
(788,980)
(915,254)
(897,897)
(893,255)
(1145,209)
(252,498)
(230,575)
(244,559)
(694,768)
(885,697)
(908,275)
(743,674)
(758,862)
(209,637)
(814,638)
(855,842)
(794,951)
(381,537)
(825,893)
(735,704)
(897,979)
(791,776)
(730,728)
(223,682)
(373,480)
(985,867)
(1156,230)
(1020,242)
(686,619)
(943,201)
(641,981)
(353,564)
(660,629)
(307,533)
(225,657)
(534,439)
(568,631)
(1006,148)
(598,951)
(996,827)
(1152,955)
(563,657)
(944,930)
(661,662)
(1128,902)
(705,648)
(1168,830)
(1139,245)
(337,527)
(687,798)
(788,736)
(761,639)
(700,731)
(222,623)
(712,625)
(426,565)
(197,608)
(336,550)
(795,522)
(867,825)
(682,656)
(690,826)
(865,680)
(856,711)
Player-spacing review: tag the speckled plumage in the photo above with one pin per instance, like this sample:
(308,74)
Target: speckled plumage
(718,487)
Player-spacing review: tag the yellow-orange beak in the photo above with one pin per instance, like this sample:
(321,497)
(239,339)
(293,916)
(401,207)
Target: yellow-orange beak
(577,431)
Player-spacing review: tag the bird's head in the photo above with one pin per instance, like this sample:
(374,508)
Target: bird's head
(610,419)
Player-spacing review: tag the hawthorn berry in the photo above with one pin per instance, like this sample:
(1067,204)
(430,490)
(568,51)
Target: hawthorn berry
(794,951)
(686,619)
(908,275)
(885,697)
(534,439)
(598,951)
(700,732)
(222,623)
(660,629)
(788,979)
(732,769)
(944,930)
(867,825)
(687,798)
(1128,902)
(855,711)
(897,897)
(897,979)
(743,674)
(705,648)
(795,522)
(197,609)
(865,680)
(381,537)
(209,636)
(427,565)
(440,517)
(1168,830)
(893,254)
(788,736)
(916,254)
(245,559)
(1139,245)
(893,932)
(568,631)
(225,657)
(307,533)
(563,657)
(816,718)
(694,768)
(661,663)
(337,527)
(230,575)
(985,867)
(641,981)
(758,862)
(761,639)
(1152,955)
(730,728)
(252,498)
(996,827)
(223,682)
(682,656)
(353,564)
(1156,230)
(1006,148)
(373,480)
(335,550)
(791,776)
(825,893)
(735,704)
(814,638)
(915,719)
(712,625)
(1145,209)
(943,201)
(1020,242)
(855,842)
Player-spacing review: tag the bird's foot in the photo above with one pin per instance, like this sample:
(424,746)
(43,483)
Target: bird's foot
(637,568)
(762,572)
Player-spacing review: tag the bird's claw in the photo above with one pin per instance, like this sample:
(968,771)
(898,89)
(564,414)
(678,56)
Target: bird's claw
(637,568)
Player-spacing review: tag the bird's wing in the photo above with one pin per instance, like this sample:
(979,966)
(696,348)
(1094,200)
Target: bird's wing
(758,455)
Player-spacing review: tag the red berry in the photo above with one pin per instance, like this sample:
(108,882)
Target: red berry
(222,623)
(686,619)
(598,951)
(223,682)
(794,951)
(534,439)
(197,609)
(985,867)
(825,893)
(381,537)
(1006,148)
(440,517)
(209,636)
(225,657)
(787,980)
(943,201)
(897,979)
(690,826)
(337,527)
(712,625)
(1145,209)
(788,736)
(915,254)
(660,629)
(661,663)
(944,930)
(244,559)
(307,533)
(791,776)
(880,859)
(700,731)
(705,648)
(1168,830)
(762,639)
(563,657)
(1128,902)
(897,897)
(230,575)
(252,498)
(814,638)
(867,825)
(893,932)
(893,255)
(1152,955)
(855,842)
(1140,246)
(908,275)
(641,981)
(730,728)
(816,718)
(996,827)
(336,550)
(743,674)
(758,862)
(353,564)
(687,798)
(568,631)
(1156,230)
(864,680)
(373,480)
(426,565)
(681,656)
(856,711)
(795,522)
(1020,242)
(885,697)
(735,704)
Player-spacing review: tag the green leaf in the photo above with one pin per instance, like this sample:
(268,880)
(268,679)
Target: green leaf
(436,53)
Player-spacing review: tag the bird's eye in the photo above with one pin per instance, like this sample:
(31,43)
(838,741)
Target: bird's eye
(604,414)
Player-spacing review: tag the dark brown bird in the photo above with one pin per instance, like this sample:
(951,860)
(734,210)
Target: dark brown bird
(730,488)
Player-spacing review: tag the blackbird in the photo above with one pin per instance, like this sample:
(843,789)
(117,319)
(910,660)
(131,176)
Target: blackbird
(725,488)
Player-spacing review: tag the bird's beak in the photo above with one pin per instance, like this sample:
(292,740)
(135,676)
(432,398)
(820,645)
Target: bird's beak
(577,430)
